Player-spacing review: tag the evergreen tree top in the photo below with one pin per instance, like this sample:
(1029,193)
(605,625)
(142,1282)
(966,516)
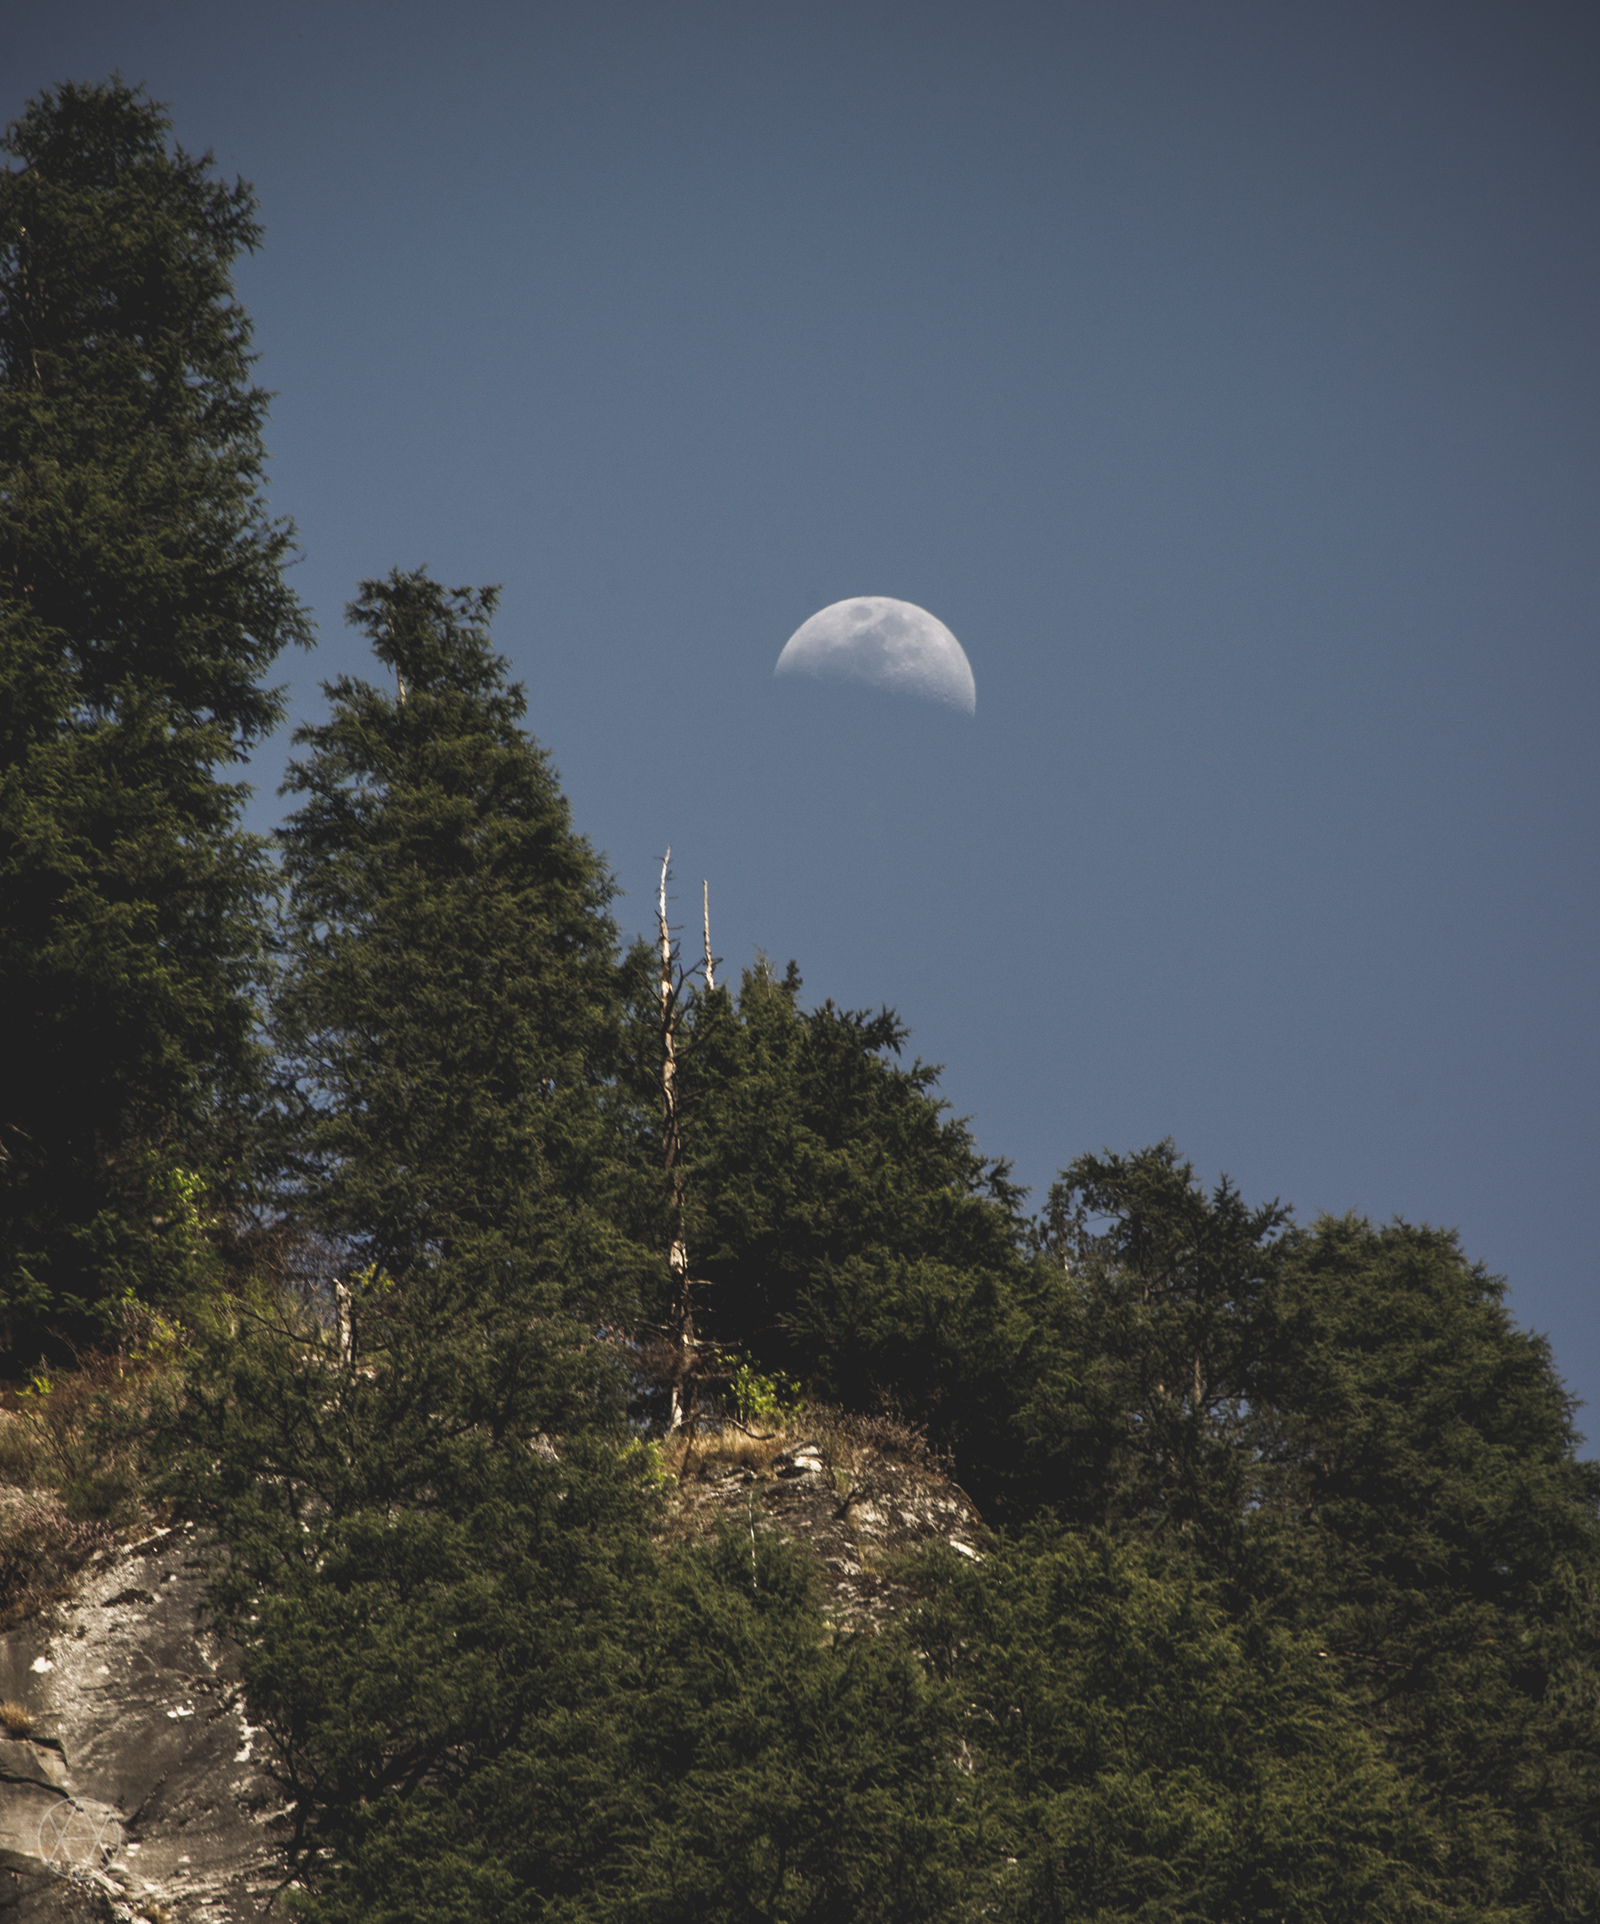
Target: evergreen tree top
(132,525)
(97,158)
(437,770)
(452,989)
(437,639)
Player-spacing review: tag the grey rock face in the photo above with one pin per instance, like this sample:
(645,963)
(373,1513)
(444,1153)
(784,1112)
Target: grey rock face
(136,1793)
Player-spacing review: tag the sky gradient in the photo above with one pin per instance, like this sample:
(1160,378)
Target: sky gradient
(1224,376)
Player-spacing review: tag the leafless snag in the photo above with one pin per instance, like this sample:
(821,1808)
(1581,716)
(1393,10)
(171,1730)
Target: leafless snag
(681,1310)
(691,1361)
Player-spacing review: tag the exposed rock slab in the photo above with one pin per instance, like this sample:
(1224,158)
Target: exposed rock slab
(856,1509)
(137,1793)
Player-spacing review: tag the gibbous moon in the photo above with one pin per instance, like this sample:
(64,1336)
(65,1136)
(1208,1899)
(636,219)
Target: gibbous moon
(893,644)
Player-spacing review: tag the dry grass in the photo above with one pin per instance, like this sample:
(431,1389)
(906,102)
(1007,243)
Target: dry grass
(41,1549)
(854,1449)
(17,1720)
(79,1436)
(71,1475)
(864,1452)
(715,1446)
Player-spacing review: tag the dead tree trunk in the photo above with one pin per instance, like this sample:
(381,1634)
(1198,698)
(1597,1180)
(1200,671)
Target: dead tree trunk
(688,1364)
(681,1308)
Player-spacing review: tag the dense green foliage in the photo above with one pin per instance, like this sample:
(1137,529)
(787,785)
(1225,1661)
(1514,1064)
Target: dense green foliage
(1290,1609)
(1341,1431)
(1456,1564)
(449,1016)
(421,1586)
(849,1232)
(1144,1753)
(141,600)
(492,1699)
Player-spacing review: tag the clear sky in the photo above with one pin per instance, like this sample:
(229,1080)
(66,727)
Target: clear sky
(1224,375)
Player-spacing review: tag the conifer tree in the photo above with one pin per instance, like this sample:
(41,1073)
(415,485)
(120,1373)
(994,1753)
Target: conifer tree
(1161,1325)
(452,991)
(850,1232)
(1340,1429)
(426,1585)
(1142,1753)
(142,599)
(1454,1536)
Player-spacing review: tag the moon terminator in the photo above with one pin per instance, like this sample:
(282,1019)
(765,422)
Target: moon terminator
(892,644)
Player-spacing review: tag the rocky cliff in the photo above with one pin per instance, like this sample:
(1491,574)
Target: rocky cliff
(128,1788)
(130,1785)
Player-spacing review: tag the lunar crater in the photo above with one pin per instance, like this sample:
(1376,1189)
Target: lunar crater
(891,644)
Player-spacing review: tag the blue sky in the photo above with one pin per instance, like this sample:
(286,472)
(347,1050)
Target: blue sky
(1223,375)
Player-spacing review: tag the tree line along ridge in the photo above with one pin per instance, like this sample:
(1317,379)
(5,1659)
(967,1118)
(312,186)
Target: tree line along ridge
(342,1200)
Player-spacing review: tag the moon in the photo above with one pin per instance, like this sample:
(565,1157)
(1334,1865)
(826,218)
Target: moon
(892,644)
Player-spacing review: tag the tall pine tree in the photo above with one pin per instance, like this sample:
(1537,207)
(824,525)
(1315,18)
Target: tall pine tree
(142,599)
(452,995)
(1456,1538)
